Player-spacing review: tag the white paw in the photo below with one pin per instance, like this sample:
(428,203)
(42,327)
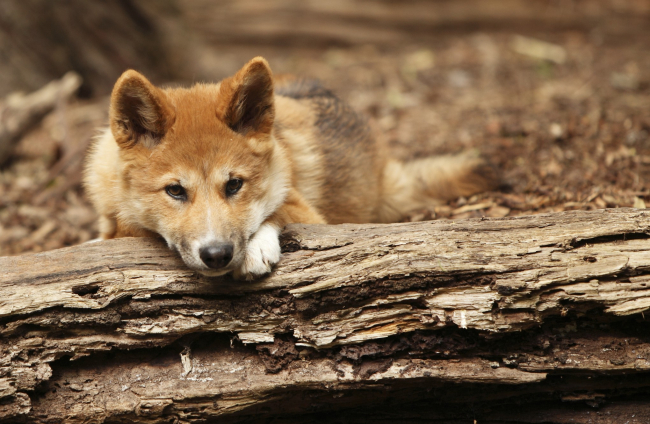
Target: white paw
(262,253)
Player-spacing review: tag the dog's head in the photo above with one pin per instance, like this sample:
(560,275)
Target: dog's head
(200,166)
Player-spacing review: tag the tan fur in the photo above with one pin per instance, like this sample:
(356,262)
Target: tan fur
(302,154)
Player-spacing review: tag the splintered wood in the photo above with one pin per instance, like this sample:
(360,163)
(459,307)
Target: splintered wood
(348,307)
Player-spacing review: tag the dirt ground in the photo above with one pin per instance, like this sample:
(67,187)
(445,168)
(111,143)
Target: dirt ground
(571,131)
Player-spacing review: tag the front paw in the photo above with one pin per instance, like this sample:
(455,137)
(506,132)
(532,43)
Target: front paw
(262,252)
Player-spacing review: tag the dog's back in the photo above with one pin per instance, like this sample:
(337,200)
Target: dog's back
(348,177)
(338,165)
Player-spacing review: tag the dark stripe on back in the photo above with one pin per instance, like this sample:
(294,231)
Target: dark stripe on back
(349,152)
(298,88)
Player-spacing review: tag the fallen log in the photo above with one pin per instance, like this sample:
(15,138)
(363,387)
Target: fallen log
(20,112)
(448,320)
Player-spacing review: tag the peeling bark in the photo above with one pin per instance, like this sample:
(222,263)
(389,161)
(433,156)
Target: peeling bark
(446,318)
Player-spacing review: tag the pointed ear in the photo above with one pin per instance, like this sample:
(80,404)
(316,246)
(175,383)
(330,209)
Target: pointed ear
(139,112)
(247,103)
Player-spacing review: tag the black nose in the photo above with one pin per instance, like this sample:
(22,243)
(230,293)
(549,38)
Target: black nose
(216,256)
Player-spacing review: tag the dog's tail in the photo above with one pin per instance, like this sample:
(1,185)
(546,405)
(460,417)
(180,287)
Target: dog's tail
(424,183)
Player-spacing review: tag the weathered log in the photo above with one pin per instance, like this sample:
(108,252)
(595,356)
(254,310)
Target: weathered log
(448,320)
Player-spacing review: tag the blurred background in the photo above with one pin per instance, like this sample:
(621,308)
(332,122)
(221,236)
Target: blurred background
(555,92)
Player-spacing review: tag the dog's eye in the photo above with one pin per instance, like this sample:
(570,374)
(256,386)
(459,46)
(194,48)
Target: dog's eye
(176,191)
(233,185)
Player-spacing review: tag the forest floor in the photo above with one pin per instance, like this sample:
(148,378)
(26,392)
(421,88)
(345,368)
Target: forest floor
(571,131)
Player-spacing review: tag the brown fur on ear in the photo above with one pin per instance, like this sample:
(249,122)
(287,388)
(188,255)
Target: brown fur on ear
(139,112)
(247,99)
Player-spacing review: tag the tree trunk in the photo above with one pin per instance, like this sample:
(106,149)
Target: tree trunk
(526,319)
(41,40)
